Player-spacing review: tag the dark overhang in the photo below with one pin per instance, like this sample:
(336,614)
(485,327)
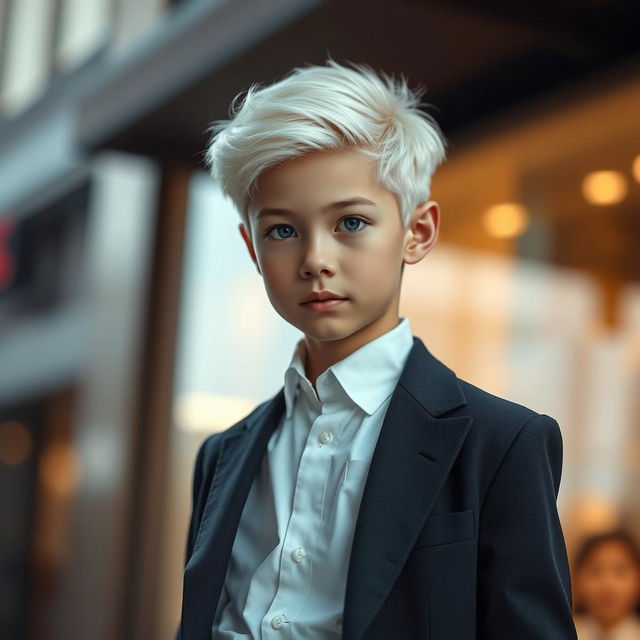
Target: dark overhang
(476,59)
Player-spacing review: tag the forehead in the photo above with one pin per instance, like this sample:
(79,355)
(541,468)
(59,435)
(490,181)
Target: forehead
(312,181)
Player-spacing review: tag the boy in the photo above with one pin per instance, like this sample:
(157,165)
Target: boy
(376,495)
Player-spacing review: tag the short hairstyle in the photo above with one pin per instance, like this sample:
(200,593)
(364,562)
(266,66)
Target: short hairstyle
(316,108)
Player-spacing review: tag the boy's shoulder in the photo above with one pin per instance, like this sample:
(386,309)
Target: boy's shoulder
(498,419)
(503,428)
(480,401)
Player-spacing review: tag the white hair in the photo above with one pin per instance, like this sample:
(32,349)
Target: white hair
(327,107)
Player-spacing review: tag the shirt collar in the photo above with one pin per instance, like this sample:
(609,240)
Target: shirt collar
(368,376)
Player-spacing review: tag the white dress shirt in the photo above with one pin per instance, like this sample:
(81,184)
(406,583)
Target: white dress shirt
(628,628)
(288,567)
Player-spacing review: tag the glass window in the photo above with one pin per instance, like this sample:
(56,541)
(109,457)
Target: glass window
(26,52)
(84,26)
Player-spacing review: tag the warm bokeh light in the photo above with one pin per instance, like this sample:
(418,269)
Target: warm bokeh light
(595,512)
(604,187)
(60,468)
(16,443)
(208,412)
(635,168)
(505,220)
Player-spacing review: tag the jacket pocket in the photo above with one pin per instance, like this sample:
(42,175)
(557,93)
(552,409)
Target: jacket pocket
(446,527)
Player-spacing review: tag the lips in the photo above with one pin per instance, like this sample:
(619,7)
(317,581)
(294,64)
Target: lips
(323,299)
(324,305)
(321,296)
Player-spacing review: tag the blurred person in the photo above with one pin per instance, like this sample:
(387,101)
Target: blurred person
(376,494)
(606,574)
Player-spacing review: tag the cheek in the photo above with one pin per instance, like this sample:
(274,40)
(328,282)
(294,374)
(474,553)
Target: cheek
(276,272)
(376,264)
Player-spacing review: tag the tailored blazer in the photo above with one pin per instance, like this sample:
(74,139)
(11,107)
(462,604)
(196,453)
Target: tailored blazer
(457,536)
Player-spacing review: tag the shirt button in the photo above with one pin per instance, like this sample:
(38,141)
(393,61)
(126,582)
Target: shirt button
(297,554)
(277,622)
(325,437)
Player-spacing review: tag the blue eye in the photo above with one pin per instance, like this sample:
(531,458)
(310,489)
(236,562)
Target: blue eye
(364,222)
(351,228)
(276,227)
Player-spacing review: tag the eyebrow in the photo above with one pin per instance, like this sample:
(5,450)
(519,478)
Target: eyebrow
(342,204)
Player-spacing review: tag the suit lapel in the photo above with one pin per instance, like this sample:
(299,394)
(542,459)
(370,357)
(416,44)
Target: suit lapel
(412,458)
(416,448)
(238,462)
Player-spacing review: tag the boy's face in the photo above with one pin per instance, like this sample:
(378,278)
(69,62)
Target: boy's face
(354,251)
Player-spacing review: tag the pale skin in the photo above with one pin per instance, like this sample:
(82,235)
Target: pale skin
(311,249)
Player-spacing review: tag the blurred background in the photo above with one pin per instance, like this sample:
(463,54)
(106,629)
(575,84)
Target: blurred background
(133,323)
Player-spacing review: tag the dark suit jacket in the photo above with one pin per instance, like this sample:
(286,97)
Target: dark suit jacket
(457,536)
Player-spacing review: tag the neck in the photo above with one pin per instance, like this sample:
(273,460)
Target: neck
(320,355)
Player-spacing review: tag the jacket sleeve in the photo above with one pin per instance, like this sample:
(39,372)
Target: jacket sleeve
(524,585)
(196,511)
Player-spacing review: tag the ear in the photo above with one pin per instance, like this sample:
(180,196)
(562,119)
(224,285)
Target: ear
(247,241)
(422,232)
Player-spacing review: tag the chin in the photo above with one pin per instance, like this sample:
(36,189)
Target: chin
(323,331)
(330,331)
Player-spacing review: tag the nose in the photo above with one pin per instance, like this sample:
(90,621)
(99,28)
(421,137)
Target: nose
(317,259)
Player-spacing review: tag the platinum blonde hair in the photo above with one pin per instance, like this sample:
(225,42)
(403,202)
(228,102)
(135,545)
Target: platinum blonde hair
(327,107)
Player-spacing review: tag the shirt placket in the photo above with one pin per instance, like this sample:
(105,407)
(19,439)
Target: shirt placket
(305,524)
